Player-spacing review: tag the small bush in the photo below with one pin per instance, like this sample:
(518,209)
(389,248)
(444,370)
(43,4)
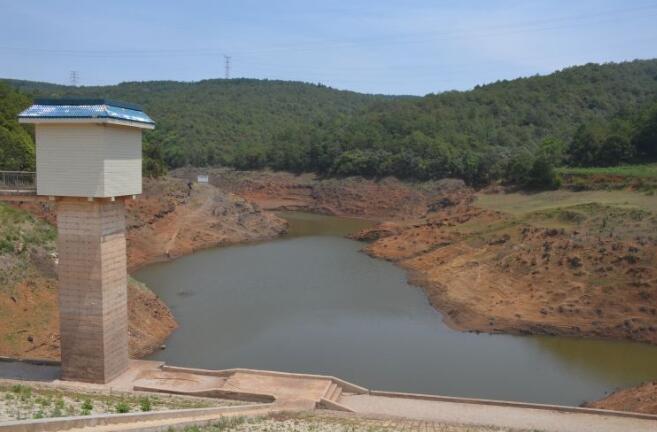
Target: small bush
(122,408)
(43,401)
(24,393)
(6,246)
(87,405)
(145,404)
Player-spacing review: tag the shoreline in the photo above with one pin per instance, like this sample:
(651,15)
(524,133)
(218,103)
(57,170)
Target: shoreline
(438,236)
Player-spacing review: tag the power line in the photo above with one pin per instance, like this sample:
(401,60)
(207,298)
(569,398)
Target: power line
(73,78)
(227,66)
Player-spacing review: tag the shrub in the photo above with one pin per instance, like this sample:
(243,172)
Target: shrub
(122,408)
(145,404)
(87,406)
(542,176)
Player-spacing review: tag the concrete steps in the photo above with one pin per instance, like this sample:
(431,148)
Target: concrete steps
(334,392)
(331,398)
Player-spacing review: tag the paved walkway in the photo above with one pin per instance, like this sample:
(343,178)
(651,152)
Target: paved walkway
(500,416)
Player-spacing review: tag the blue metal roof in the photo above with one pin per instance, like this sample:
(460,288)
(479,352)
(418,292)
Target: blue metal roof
(85,108)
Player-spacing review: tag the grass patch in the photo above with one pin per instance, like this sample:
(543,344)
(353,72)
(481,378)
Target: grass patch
(638,171)
(26,243)
(519,204)
(18,402)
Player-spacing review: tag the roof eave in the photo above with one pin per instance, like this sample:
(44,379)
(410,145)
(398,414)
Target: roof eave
(86,120)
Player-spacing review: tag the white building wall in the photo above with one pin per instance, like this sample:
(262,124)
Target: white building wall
(69,160)
(88,160)
(122,161)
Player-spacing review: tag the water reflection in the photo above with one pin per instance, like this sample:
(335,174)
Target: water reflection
(617,361)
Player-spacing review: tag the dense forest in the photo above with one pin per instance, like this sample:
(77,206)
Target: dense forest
(219,122)
(516,130)
(16,143)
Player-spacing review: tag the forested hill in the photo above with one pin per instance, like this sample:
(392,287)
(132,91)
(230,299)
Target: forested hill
(459,133)
(521,111)
(479,135)
(214,121)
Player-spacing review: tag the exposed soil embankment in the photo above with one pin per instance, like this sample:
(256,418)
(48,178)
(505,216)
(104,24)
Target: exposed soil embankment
(642,398)
(580,271)
(30,320)
(386,199)
(170,219)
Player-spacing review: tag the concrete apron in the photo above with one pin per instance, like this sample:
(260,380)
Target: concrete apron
(280,391)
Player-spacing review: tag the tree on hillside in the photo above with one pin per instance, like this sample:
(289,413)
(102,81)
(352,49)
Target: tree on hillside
(16,144)
(645,139)
(153,164)
(602,144)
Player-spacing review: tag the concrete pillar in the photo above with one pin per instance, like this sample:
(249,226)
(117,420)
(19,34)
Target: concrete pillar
(92,289)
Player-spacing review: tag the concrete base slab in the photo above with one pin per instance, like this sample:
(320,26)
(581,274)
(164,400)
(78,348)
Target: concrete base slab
(289,391)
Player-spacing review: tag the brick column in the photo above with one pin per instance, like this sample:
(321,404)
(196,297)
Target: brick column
(92,289)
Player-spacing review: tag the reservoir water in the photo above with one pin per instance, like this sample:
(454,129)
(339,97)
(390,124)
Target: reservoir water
(311,302)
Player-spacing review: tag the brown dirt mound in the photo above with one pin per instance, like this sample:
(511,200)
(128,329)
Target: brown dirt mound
(642,398)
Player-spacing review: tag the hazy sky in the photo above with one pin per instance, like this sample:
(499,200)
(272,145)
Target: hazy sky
(378,46)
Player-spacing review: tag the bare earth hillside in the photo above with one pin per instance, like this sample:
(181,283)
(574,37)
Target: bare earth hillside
(170,219)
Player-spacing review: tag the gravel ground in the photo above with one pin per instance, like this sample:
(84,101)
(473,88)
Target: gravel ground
(311,422)
(20,402)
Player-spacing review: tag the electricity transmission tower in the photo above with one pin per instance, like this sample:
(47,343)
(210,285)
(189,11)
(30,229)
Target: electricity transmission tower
(227,66)
(74,78)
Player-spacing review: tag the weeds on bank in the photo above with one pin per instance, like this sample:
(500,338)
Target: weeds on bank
(224,424)
(20,402)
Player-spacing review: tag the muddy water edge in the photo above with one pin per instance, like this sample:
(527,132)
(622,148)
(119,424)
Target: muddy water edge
(312,302)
